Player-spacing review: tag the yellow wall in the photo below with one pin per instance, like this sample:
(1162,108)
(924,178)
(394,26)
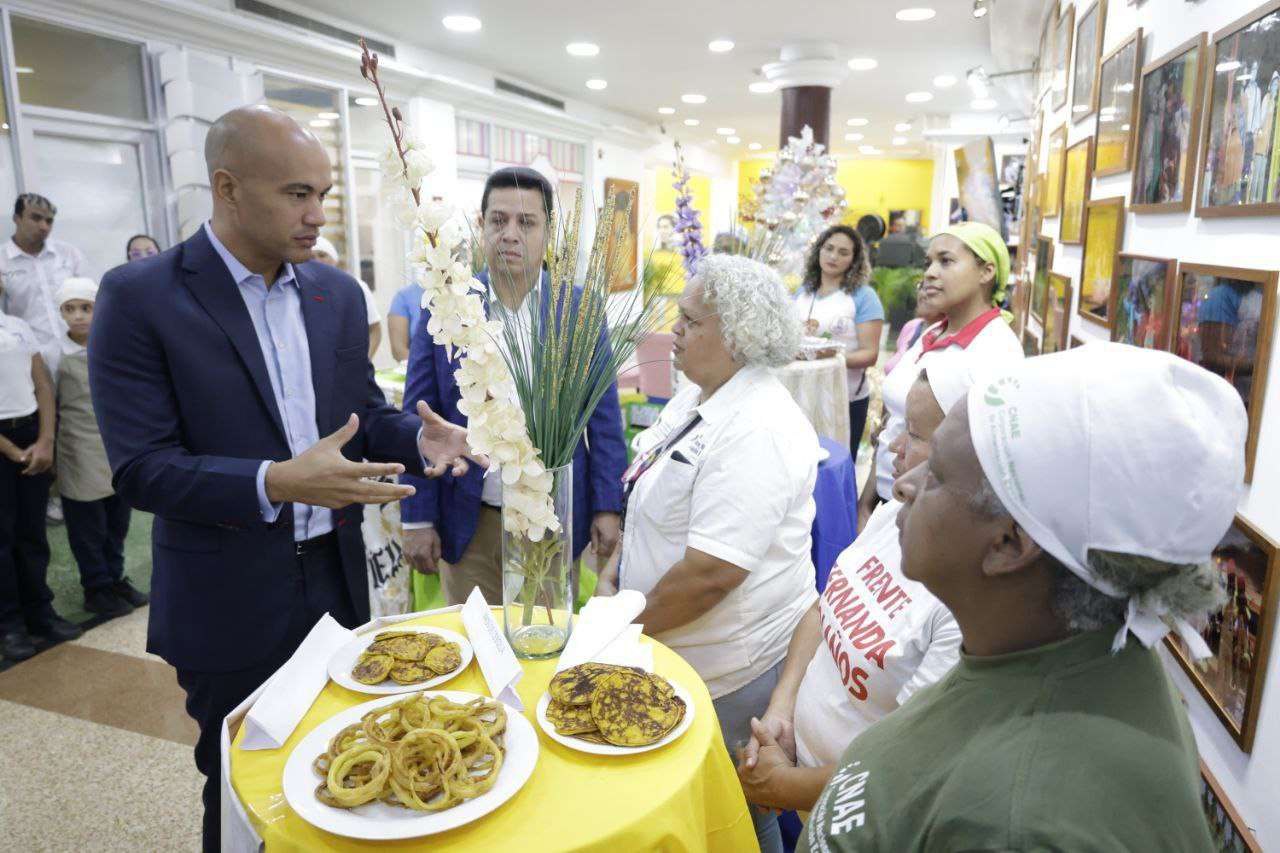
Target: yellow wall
(870,185)
(664,201)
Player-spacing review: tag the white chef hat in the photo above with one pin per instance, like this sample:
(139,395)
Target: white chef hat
(77,287)
(323,245)
(951,373)
(1114,448)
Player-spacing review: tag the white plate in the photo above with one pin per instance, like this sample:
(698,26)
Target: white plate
(345,658)
(381,822)
(608,748)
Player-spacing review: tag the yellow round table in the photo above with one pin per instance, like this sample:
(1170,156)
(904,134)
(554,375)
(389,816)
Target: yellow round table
(684,796)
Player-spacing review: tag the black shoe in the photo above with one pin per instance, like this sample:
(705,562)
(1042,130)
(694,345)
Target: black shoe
(16,645)
(135,597)
(106,603)
(57,628)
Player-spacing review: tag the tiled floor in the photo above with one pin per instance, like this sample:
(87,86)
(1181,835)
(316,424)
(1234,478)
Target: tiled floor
(97,748)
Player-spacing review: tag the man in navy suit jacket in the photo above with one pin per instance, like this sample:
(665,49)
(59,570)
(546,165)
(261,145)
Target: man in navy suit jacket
(215,368)
(454,526)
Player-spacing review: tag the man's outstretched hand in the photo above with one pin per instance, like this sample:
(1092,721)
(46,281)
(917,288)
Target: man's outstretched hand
(444,445)
(322,476)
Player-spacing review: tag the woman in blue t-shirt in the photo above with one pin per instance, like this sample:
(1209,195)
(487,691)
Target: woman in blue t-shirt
(402,319)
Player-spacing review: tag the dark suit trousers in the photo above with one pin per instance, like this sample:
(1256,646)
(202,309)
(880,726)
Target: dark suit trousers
(96,531)
(319,587)
(25,599)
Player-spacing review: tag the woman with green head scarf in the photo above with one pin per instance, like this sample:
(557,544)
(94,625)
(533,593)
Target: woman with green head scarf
(965,279)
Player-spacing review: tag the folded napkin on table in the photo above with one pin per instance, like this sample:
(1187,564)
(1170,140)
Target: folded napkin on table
(603,633)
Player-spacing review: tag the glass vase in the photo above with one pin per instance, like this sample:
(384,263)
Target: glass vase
(537,580)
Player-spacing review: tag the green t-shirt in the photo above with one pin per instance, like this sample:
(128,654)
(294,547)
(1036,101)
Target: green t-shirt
(1063,747)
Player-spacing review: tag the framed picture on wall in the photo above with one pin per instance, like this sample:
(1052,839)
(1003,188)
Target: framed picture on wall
(1062,34)
(1169,99)
(1240,163)
(1076,341)
(1084,81)
(1052,196)
(979,184)
(1044,61)
(1057,314)
(1141,301)
(1225,321)
(1239,636)
(1117,106)
(1104,236)
(1030,343)
(623,254)
(1076,178)
(1229,831)
(1040,284)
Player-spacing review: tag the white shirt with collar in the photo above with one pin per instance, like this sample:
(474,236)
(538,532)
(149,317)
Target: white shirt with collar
(17,389)
(738,486)
(30,287)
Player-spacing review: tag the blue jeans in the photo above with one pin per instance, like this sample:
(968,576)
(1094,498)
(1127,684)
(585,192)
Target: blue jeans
(735,711)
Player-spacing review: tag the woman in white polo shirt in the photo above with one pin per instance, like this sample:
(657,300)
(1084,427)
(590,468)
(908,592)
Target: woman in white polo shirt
(965,281)
(719,501)
(836,300)
(872,640)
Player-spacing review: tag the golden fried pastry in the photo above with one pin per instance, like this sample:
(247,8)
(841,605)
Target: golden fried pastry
(571,719)
(575,685)
(444,658)
(412,648)
(634,708)
(372,668)
(407,672)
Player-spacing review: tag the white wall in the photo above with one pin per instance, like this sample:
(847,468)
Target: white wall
(1251,781)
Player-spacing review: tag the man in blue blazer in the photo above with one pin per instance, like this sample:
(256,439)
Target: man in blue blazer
(215,368)
(454,526)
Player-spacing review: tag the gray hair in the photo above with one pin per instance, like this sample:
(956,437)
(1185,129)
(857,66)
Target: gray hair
(1188,591)
(755,313)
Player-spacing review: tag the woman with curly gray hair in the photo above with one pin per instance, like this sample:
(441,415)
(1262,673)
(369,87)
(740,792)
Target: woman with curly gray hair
(1065,516)
(718,504)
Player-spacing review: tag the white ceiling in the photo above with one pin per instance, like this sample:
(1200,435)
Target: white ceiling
(651,53)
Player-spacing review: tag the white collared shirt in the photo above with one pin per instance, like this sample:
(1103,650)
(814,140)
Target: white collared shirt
(17,389)
(737,486)
(30,288)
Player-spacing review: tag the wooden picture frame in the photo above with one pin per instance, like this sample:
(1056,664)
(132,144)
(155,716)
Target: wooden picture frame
(1249,555)
(1055,162)
(1151,191)
(1103,239)
(1055,330)
(1225,823)
(1119,70)
(1030,343)
(1224,294)
(1076,341)
(1040,283)
(1231,183)
(1060,85)
(1091,27)
(1044,61)
(1142,296)
(1077,179)
(622,263)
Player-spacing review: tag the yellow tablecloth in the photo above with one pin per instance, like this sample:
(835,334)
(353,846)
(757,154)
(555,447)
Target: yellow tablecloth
(682,797)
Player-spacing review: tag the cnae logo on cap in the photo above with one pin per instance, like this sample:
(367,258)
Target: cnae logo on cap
(995,391)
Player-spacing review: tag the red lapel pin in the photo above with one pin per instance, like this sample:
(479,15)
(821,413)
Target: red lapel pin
(318,298)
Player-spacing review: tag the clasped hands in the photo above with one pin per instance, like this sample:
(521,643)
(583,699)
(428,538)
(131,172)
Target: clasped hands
(322,476)
(35,459)
(766,758)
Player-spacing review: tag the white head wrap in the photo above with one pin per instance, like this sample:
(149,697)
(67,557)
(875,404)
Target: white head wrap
(323,245)
(1114,448)
(76,287)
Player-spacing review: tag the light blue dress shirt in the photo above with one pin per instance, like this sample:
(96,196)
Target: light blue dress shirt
(276,313)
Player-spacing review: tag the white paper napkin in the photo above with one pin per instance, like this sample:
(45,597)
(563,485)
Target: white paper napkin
(497,661)
(605,624)
(294,687)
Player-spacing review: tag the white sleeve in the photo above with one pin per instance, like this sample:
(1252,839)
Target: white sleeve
(370,305)
(942,654)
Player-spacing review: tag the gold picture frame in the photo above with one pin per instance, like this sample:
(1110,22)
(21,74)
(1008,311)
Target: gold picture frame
(1103,239)
(1172,93)
(1057,314)
(1054,169)
(1118,79)
(1090,30)
(1063,32)
(1077,178)
(1142,297)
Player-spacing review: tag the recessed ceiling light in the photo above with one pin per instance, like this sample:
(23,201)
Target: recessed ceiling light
(862,63)
(762,87)
(755,146)
(24,69)
(980,8)
(857,122)
(667,111)
(461,23)
(328,115)
(919,97)
(899,140)
(366,101)
(597,84)
(582,48)
(869,149)
(982,104)
(902,126)
(726,131)
(853,137)
(733,140)
(694,98)
(720,46)
(320,122)
(918,13)
(944,81)
(692,122)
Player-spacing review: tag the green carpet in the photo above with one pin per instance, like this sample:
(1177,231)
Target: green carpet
(64,576)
